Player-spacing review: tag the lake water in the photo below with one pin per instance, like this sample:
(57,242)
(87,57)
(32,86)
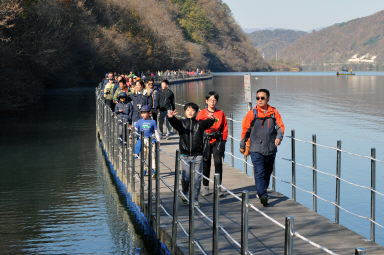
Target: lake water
(334,108)
(56,195)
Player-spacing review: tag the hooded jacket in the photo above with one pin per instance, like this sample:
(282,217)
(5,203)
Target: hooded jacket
(266,128)
(126,114)
(191,134)
(138,100)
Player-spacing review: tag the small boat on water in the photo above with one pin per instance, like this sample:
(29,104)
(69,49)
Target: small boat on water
(345,73)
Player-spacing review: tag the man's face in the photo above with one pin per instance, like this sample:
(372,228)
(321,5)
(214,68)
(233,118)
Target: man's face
(121,85)
(110,75)
(262,99)
(164,85)
(190,112)
(211,102)
(145,115)
(122,99)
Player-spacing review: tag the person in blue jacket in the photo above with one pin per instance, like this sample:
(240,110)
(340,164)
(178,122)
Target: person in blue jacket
(149,127)
(124,110)
(139,100)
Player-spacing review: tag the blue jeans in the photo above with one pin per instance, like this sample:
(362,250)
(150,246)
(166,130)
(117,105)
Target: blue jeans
(262,167)
(185,178)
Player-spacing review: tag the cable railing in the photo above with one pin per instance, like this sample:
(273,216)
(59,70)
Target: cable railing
(108,128)
(315,170)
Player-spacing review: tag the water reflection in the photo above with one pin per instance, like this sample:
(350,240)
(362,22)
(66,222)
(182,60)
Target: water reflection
(55,194)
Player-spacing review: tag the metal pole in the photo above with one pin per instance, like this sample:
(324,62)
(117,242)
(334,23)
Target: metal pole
(289,230)
(360,251)
(133,163)
(373,195)
(338,174)
(293,164)
(314,173)
(215,226)
(245,165)
(142,158)
(124,153)
(157,174)
(175,195)
(273,177)
(232,143)
(191,207)
(150,180)
(244,222)
(128,156)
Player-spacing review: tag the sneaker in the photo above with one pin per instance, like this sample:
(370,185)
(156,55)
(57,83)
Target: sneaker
(196,204)
(184,200)
(264,201)
(167,137)
(205,191)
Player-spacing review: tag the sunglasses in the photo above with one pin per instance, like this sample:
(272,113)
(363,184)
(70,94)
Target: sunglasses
(260,98)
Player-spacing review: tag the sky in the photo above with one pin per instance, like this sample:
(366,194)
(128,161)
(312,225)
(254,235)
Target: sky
(304,15)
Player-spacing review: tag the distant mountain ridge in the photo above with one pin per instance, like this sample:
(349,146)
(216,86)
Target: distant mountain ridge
(358,42)
(269,42)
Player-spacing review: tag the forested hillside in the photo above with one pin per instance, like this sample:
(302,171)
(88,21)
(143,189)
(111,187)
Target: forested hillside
(270,42)
(358,43)
(63,43)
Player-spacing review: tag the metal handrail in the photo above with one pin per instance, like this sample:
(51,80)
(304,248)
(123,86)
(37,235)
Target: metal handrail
(250,205)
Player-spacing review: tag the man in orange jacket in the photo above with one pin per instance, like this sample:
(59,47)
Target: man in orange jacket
(265,129)
(214,139)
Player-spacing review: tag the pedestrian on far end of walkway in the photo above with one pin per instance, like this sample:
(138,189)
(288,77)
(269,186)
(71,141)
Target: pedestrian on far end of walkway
(264,128)
(165,103)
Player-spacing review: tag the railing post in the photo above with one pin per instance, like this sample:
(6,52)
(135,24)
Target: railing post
(112,137)
(245,165)
(157,174)
(142,162)
(175,198)
(314,173)
(215,227)
(191,208)
(149,148)
(124,153)
(128,156)
(232,142)
(338,174)
(274,177)
(289,230)
(360,251)
(244,222)
(293,151)
(133,163)
(373,195)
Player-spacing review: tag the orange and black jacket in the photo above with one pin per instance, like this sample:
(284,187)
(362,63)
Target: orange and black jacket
(220,124)
(266,128)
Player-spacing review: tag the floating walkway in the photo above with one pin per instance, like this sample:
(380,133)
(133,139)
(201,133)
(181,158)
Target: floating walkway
(234,224)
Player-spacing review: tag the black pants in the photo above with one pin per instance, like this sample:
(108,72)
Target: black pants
(154,115)
(218,162)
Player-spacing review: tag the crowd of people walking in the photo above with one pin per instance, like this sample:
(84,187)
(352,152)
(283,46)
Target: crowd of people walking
(202,133)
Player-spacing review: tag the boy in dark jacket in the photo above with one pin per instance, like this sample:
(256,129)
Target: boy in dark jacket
(191,145)
(124,110)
